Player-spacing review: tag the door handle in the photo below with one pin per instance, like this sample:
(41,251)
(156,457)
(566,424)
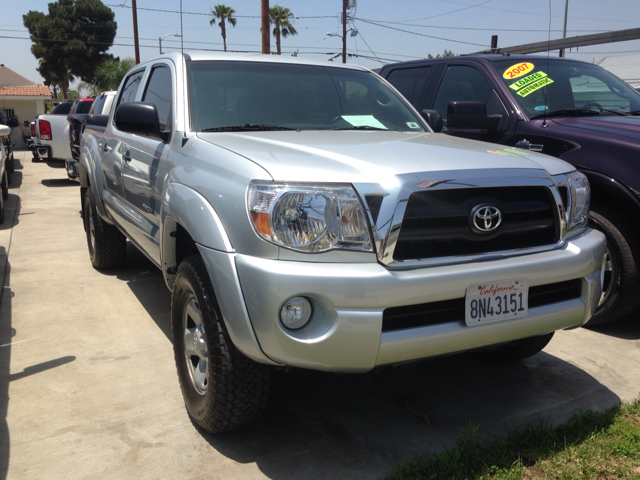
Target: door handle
(126,156)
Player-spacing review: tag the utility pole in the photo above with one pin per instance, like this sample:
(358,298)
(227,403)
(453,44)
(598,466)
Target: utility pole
(344,31)
(564,29)
(135,30)
(266,34)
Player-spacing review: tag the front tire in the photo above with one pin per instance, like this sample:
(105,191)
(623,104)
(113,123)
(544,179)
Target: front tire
(222,389)
(619,292)
(518,350)
(107,245)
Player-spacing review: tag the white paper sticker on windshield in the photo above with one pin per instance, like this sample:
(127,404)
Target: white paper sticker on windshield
(363,121)
(413,125)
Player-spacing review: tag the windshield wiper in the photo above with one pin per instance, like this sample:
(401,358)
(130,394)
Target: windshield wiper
(614,112)
(635,112)
(569,112)
(247,127)
(361,127)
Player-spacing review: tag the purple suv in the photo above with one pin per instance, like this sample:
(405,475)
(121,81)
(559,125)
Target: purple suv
(569,109)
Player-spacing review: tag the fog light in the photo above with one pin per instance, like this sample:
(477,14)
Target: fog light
(295,313)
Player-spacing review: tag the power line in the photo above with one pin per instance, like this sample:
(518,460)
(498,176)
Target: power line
(470,28)
(537,14)
(355,55)
(423,35)
(202,14)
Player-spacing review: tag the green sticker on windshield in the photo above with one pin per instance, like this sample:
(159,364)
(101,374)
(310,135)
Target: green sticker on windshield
(523,82)
(537,85)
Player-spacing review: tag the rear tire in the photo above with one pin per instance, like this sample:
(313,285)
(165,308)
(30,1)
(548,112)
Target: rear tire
(518,350)
(222,389)
(620,290)
(9,169)
(5,185)
(1,208)
(107,245)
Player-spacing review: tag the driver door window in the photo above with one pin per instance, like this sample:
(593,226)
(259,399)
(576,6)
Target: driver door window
(463,83)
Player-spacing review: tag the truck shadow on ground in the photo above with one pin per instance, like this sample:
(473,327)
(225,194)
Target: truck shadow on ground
(321,425)
(627,328)
(59,182)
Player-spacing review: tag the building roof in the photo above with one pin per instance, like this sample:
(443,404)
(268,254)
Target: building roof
(626,67)
(9,78)
(33,91)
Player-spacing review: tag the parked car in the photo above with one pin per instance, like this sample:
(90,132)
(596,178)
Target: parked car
(51,141)
(97,116)
(4,182)
(304,215)
(8,145)
(572,110)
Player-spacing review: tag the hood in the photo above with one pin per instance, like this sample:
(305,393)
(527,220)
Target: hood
(623,126)
(372,157)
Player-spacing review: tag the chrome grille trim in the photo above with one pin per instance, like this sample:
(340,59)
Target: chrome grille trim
(387,225)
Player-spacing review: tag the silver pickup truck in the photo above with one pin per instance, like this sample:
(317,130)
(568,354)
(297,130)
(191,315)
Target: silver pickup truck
(303,214)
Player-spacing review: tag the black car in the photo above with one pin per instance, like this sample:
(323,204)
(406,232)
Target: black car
(569,109)
(8,145)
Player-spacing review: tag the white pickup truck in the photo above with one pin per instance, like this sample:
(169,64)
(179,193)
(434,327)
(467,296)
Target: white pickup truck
(51,140)
(304,214)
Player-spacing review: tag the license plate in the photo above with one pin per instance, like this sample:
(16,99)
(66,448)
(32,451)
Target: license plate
(495,301)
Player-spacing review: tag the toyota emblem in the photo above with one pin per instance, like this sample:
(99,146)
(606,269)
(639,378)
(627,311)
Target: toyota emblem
(485,218)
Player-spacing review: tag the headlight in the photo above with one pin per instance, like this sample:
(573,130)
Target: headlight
(579,196)
(309,218)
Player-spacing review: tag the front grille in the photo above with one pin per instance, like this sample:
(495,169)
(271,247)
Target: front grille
(413,316)
(437,223)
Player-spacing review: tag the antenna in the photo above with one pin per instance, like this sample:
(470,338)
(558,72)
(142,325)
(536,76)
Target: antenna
(184,64)
(546,89)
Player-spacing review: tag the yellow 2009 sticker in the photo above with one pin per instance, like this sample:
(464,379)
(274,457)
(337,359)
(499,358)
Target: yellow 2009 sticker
(517,70)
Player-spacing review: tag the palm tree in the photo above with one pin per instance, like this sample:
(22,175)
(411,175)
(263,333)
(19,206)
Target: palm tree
(279,16)
(222,12)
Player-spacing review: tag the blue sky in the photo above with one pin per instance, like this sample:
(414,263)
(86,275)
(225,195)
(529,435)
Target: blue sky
(387,31)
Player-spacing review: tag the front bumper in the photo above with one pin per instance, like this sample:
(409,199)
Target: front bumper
(345,332)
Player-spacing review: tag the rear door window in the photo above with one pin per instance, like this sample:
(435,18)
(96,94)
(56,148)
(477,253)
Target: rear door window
(409,82)
(160,92)
(130,88)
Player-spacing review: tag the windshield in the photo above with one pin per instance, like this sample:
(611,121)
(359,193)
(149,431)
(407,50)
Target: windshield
(254,96)
(62,108)
(555,87)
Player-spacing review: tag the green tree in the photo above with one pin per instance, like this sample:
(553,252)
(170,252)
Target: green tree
(71,40)
(107,75)
(447,53)
(279,16)
(222,13)
(71,95)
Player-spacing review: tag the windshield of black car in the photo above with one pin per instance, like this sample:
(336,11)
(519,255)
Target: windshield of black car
(543,86)
(299,97)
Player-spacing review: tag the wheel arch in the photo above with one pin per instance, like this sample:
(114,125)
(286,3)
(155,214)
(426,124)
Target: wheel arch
(188,220)
(607,192)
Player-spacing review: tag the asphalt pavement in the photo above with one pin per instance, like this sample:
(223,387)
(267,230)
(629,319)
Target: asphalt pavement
(88,387)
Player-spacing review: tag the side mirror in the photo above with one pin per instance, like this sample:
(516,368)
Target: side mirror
(471,117)
(139,118)
(433,118)
(4,130)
